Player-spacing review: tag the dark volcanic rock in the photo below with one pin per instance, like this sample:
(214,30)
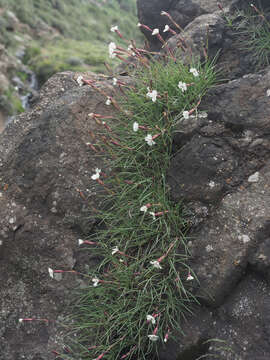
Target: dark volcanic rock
(199,171)
(183,12)
(218,154)
(46,200)
(240,327)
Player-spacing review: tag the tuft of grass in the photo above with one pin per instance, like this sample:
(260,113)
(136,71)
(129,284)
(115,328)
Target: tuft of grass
(140,239)
(219,350)
(254,30)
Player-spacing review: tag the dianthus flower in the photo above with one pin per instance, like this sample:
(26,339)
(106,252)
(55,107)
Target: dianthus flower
(112,48)
(152,94)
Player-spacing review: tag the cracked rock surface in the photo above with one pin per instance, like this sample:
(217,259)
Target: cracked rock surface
(46,197)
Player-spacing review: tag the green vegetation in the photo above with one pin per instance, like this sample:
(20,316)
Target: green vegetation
(252,27)
(140,240)
(256,28)
(70,30)
(219,350)
(10,103)
(66,54)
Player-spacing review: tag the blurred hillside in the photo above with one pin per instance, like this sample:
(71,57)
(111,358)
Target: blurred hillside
(48,36)
(66,34)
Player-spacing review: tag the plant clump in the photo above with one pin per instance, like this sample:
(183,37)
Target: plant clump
(139,293)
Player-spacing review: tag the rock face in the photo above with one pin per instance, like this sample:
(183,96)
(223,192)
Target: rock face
(46,199)
(220,169)
(182,11)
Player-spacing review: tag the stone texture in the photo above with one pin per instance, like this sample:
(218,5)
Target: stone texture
(205,30)
(221,249)
(46,200)
(220,169)
(240,327)
(182,11)
(214,155)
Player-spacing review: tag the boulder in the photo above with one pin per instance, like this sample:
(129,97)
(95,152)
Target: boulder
(183,12)
(220,170)
(237,330)
(47,202)
(216,154)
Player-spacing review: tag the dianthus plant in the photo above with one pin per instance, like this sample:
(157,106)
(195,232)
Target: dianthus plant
(139,292)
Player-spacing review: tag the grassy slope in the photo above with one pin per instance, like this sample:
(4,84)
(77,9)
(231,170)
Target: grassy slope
(83,27)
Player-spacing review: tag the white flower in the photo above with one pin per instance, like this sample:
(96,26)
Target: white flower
(194,72)
(151,318)
(153,337)
(95,282)
(108,101)
(114,28)
(115,81)
(211,184)
(135,126)
(156,264)
(190,277)
(149,140)
(112,47)
(167,28)
(80,80)
(51,272)
(144,208)
(130,48)
(182,86)
(115,250)
(268,92)
(152,94)
(80,242)
(96,175)
(186,114)
(155,32)
(163,13)
(20,320)
(139,24)
(91,115)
